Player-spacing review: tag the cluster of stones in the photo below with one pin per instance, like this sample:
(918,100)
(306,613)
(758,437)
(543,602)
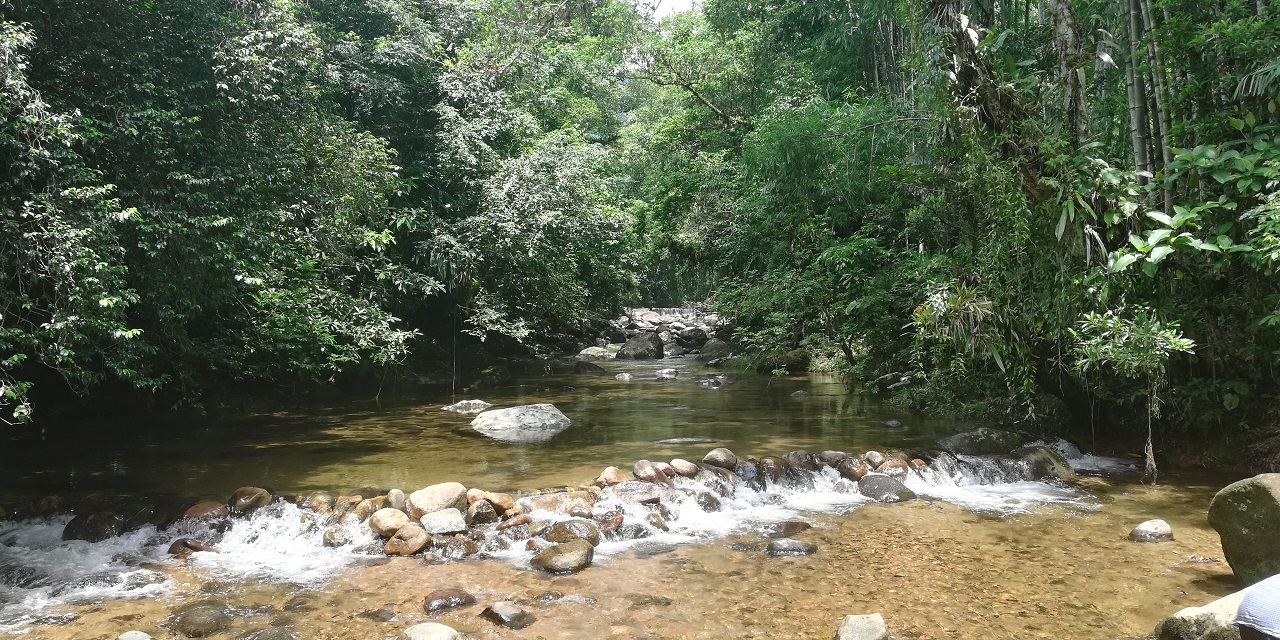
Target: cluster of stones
(652,334)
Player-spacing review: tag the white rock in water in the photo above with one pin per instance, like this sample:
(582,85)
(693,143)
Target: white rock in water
(429,631)
(870,627)
(445,521)
(134,635)
(596,353)
(1152,531)
(668,374)
(623,377)
(526,423)
(468,406)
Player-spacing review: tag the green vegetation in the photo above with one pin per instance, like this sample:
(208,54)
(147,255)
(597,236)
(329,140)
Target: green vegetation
(1055,214)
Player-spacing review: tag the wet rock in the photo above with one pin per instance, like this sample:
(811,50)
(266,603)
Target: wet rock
(559,502)
(892,424)
(321,502)
(568,530)
(800,394)
(1042,462)
(773,468)
(715,349)
(516,521)
(874,458)
(981,441)
(1152,531)
(409,540)
(709,382)
(852,468)
(648,472)
(523,424)
(594,353)
(646,346)
(707,502)
(474,495)
(386,522)
(183,547)
(608,522)
(684,467)
(691,337)
(667,374)
(429,631)
(623,377)
(134,635)
(336,536)
(446,495)
(656,521)
(787,529)
(201,619)
(803,460)
(507,615)
(94,527)
(366,508)
(444,522)
(864,627)
(272,634)
(502,502)
(636,492)
(246,500)
(380,615)
(396,499)
(442,599)
(454,548)
(883,488)
(832,458)
(721,457)
(611,476)
(790,547)
(481,512)
(568,557)
(895,468)
(591,368)
(86,582)
(631,531)
(1246,515)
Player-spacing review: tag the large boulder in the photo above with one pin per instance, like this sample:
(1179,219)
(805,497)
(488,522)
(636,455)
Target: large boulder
(646,346)
(467,406)
(446,495)
(526,423)
(444,521)
(246,500)
(714,349)
(1246,515)
(201,619)
(691,337)
(983,441)
(94,527)
(595,353)
(590,368)
(1042,462)
(575,529)
(721,457)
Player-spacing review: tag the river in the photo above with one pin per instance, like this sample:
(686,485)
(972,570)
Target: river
(984,554)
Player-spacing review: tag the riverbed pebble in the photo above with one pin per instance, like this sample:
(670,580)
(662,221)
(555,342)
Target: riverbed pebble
(409,540)
(576,529)
(445,495)
(386,522)
(134,635)
(790,547)
(568,557)
(884,488)
(611,476)
(507,615)
(202,619)
(396,499)
(444,521)
(684,467)
(721,457)
(442,599)
(1152,531)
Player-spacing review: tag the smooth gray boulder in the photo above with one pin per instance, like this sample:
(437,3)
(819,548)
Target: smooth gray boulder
(1156,530)
(1246,515)
(569,557)
(1042,462)
(882,488)
(721,457)
(646,346)
(429,631)
(523,424)
(444,522)
(983,441)
(595,353)
(864,627)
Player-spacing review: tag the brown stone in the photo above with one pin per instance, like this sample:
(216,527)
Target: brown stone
(246,500)
(502,502)
(207,511)
(611,476)
(386,522)
(684,467)
(409,540)
(559,502)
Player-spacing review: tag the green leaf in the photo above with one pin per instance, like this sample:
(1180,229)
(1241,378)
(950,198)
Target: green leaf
(1159,253)
(1122,262)
(1149,268)
(1225,241)
(1062,223)
(1137,242)
(1160,217)
(1221,175)
(1230,401)
(1156,237)
(1249,119)
(1236,123)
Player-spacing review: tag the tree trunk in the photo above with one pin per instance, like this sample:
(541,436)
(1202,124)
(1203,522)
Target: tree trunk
(1137,95)
(1070,49)
(1156,63)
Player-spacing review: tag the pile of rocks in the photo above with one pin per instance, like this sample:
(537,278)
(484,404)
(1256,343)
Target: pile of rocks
(651,334)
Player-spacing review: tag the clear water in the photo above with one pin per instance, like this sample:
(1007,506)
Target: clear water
(267,561)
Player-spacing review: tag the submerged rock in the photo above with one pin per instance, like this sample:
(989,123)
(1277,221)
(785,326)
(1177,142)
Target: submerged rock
(442,599)
(883,488)
(576,529)
(864,627)
(508,615)
(1043,462)
(790,547)
(183,547)
(134,635)
(429,631)
(686,440)
(1246,515)
(667,374)
(467,406)
(584,367)
(1152,531)
(527,423)
(568,557)
(622,377)
(201,619)
(981,441)
(336,536)
(1213,621)
(96,526)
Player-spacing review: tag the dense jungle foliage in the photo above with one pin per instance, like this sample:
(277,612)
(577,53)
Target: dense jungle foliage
(1056,214)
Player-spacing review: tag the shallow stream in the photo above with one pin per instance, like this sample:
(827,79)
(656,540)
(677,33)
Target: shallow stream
(986,553)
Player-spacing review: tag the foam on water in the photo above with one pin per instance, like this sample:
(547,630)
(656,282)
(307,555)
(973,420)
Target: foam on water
(1087,462)
(39,572)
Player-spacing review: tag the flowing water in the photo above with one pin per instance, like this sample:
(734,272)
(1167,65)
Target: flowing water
(987,553)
